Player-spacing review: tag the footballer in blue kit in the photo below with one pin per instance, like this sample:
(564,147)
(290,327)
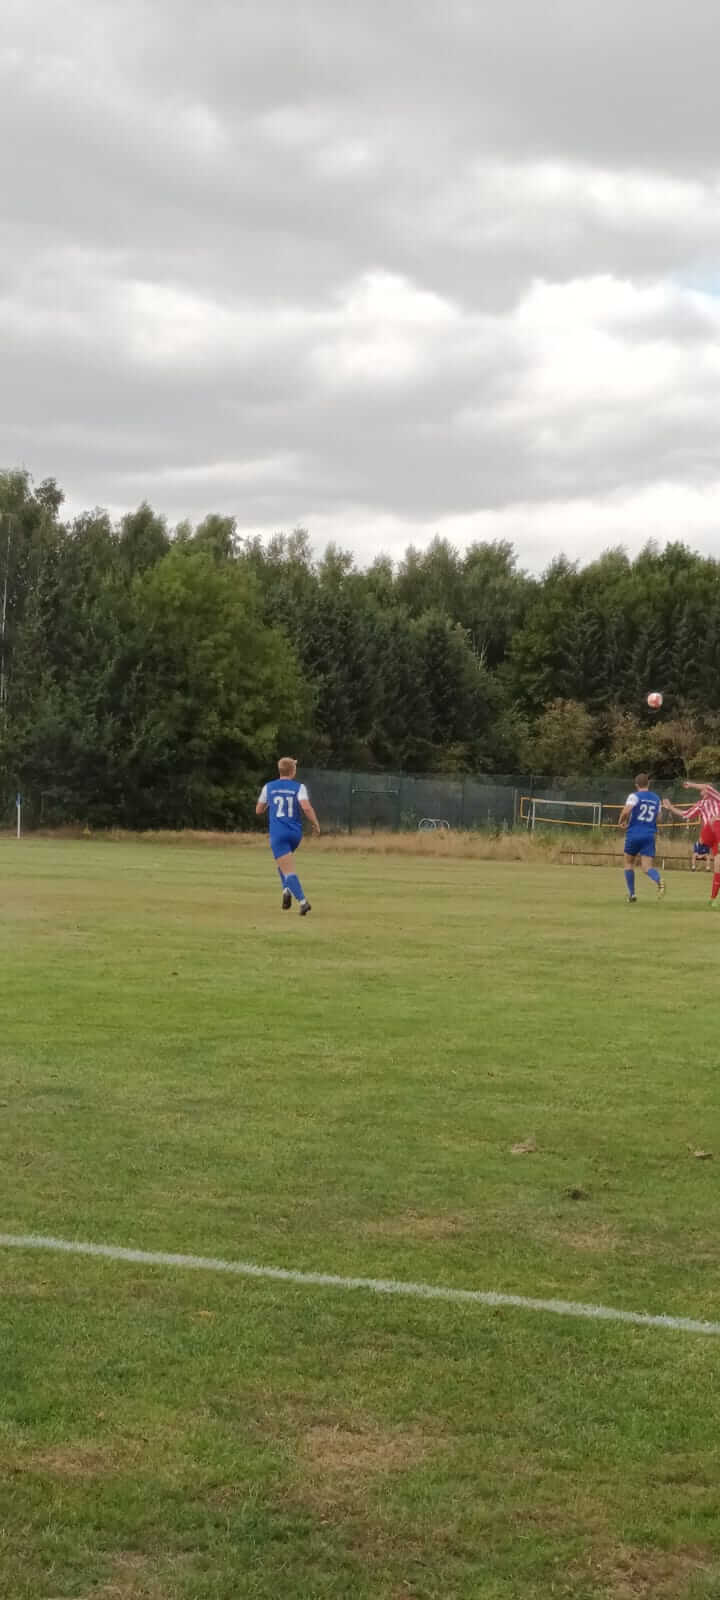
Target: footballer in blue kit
(640,816)
(286,802)
(701,852)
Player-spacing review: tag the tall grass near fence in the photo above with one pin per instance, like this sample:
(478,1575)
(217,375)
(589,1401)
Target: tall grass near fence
(557,844)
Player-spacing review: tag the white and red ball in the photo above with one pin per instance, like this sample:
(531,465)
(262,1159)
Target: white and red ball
(654,701)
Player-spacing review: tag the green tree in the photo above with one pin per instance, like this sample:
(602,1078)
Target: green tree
(627,743)
(217,535)
(430,580)
(541,648)
(73,656)
(284,572)
(492,599)
(144,539)
(403,708)
(30,540)
(461,695)
(704,765)
(139,672)
(674,743)
(211,694)
(563,739)
(29,537)
(336,642)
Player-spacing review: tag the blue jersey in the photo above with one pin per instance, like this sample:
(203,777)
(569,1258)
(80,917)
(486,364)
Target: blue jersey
(645,811)
(282,798)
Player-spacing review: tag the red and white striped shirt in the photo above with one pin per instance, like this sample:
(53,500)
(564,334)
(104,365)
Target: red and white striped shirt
(707,807)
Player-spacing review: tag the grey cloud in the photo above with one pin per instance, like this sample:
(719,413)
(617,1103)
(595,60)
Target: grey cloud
(223,230)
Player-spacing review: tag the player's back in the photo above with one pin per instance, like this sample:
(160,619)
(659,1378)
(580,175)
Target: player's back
(645,811)
(282,797)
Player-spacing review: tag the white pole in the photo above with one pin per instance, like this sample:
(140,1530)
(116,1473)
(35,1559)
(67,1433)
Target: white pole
(18,807)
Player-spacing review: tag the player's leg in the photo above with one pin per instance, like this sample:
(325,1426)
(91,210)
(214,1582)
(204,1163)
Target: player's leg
(283,863)
(292,882)
(716,877)
(647,863)
(710,837)
(630,877)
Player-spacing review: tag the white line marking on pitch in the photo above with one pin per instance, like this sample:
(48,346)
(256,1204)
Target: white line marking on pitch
(331,1280)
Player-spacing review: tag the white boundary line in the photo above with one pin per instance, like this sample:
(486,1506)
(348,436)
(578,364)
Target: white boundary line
(331,1280)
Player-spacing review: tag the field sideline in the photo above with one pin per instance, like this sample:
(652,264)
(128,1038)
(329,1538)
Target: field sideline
(187,1070)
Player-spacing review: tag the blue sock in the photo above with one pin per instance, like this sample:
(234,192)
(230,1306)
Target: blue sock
(630,879)
(292,882)
(654,875)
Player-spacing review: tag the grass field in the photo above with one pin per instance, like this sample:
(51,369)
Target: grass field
(186,1069)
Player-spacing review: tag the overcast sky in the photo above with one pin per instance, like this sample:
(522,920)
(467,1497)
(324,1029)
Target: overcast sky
(383,270)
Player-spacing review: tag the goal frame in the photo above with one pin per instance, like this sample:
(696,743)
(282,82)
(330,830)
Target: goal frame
(534,803)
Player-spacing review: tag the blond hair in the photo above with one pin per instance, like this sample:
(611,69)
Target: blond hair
(286,766)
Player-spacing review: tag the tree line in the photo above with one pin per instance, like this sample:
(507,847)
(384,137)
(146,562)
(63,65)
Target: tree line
(149,676)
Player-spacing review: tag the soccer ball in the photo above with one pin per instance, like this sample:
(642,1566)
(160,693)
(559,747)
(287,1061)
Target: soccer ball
(654,701)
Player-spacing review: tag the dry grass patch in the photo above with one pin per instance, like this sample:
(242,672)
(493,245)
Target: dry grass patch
(137,1577)
(27,1289)
(627,1573)
(339,1464)
(339,1469)
(349,1452)
(598,1238)
(416,1225)
(77,1461)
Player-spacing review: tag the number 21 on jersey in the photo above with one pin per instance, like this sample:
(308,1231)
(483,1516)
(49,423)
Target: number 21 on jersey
(280,801)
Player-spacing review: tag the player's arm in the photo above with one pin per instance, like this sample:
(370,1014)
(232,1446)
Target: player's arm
(707,792)
(624,816)
(685,816)
(310,814)
(262,803)
(308,809)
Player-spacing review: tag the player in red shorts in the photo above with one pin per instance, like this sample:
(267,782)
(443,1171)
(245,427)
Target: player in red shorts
(710,835)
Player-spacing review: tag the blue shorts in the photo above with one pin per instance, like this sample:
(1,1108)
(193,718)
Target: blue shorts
(283,844)
(638,842)
(701,849)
